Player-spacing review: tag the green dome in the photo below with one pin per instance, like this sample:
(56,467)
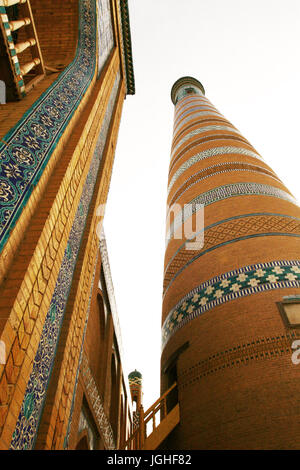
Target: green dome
(135,375)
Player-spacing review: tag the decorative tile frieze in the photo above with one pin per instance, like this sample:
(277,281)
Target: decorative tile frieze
(212,152)
(241,282)
(193,109)
(194,116)
(224,192)
(238,355)
(105,36)
(30,143)
(67,437)
(219,169)
(231,230)
(97,405)
(12,52)
(28,420)
(200,130)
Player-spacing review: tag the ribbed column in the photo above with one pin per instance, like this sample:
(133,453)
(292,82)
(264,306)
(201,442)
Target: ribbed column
(223,336)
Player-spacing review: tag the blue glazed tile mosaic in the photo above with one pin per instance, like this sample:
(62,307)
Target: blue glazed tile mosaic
(229,286)
(27,425)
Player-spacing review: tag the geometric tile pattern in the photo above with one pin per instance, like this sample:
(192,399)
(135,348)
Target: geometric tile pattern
(13,53)
(200,130)
(105,32)
(228,231)
(66,440)
(212,152)
(202,140)
(223,192)
(241,282)
(31,142)
(191,110)
(28,420)
(191,104)
(254,349)
(193,116)
(218,169)
(97,405)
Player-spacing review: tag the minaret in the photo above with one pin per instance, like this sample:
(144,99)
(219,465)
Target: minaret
(231,305)
(135,385)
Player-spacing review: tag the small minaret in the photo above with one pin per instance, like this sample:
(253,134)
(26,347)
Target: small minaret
(135,384)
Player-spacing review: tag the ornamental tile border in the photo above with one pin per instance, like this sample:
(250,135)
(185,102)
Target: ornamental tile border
(67,437)
(194,116)
(27,425)
(212,152)
(209,109)
(224,192)
(200,130)
(190,102)
(105,33)
(252,168)
(229,286)
(31,142)
(252,221)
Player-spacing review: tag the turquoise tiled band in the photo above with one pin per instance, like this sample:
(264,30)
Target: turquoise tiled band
(229,286)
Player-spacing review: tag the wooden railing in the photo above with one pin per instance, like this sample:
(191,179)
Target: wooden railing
(27,75)
(139,436)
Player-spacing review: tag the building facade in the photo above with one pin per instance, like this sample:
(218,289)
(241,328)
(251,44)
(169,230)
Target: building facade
(231,308)
(67,68)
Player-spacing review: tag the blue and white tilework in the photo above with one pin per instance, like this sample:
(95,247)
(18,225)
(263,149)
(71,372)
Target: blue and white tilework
(224,192)
(26,149)
(229,286)
(28,420)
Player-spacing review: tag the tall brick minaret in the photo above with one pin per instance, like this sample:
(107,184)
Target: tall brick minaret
(231,307)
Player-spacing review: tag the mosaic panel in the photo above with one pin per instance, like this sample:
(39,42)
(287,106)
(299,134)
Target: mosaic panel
(31,142)
(189,102)
(185,91)
(198,122)
(212,152)
(196,108)
(213,138)
(86,424)
(200,131)
(96,401)
(229,286)
(218,169)
(239,354)
(105,32)
(27,424)
(193,116)
(229,231)
(224,192)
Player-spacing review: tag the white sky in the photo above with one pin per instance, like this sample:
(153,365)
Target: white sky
(246,55)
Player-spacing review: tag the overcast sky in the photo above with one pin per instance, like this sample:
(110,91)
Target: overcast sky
(246,55)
